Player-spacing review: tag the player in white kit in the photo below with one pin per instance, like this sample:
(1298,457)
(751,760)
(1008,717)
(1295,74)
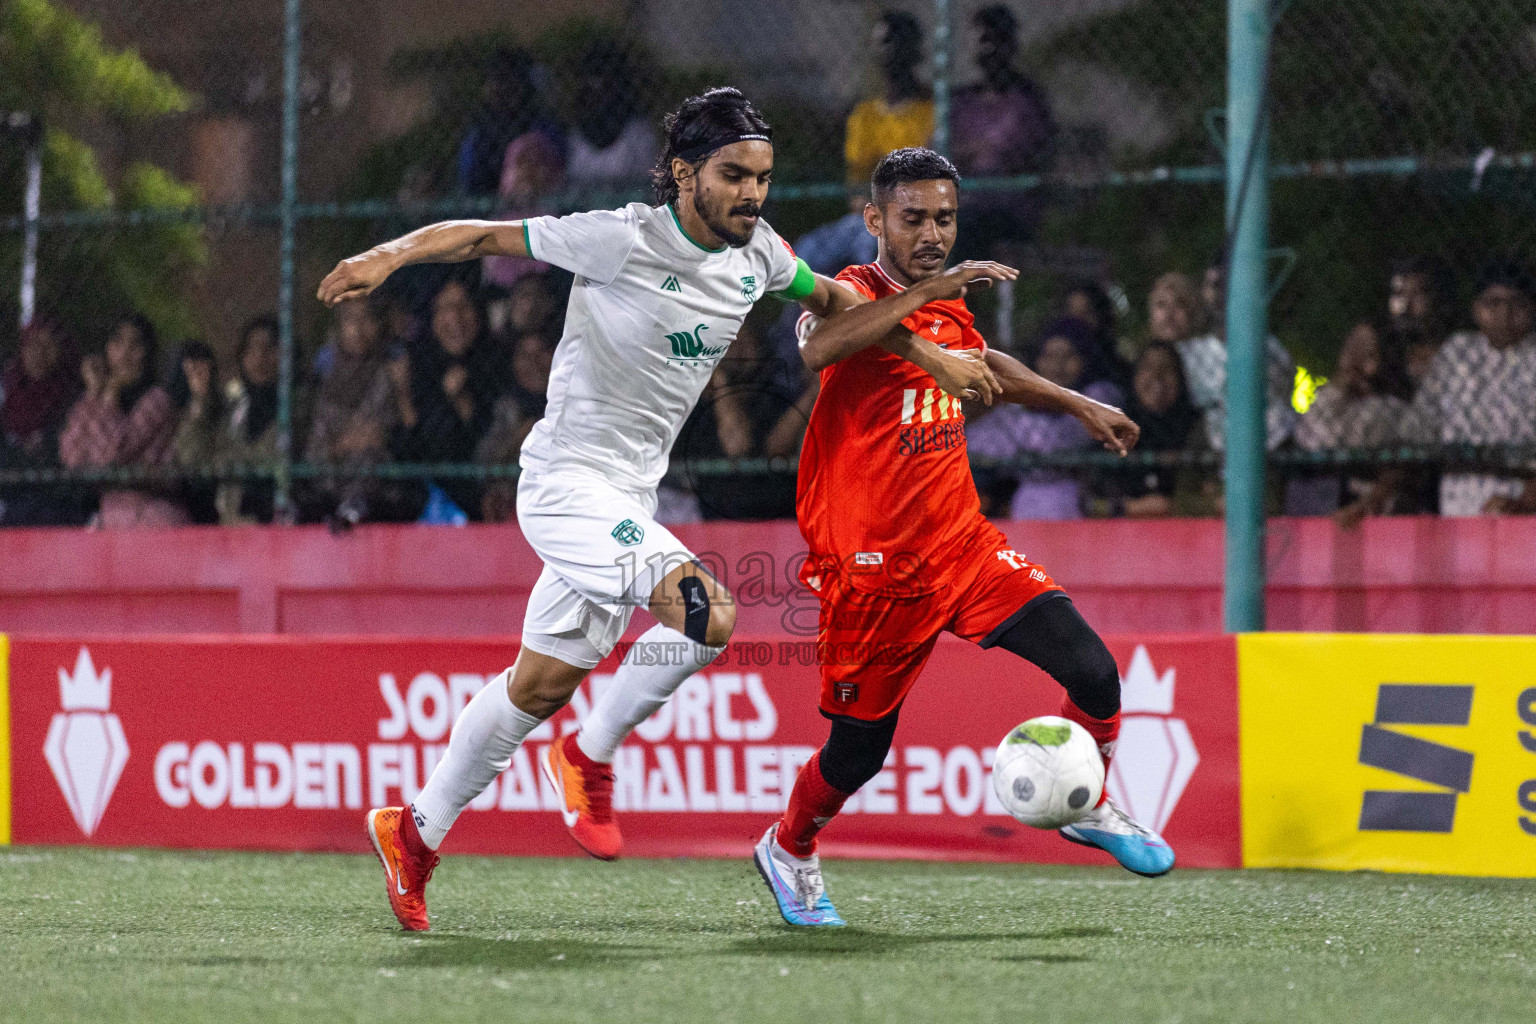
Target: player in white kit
(660,293)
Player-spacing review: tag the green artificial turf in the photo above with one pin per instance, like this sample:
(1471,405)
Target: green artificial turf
(150,936)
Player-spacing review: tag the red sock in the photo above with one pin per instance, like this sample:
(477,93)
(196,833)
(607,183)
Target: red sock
(812,804)
(410,836)
(574,754)
(1103,730)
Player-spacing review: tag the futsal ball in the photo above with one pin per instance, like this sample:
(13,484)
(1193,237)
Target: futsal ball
(1048,772)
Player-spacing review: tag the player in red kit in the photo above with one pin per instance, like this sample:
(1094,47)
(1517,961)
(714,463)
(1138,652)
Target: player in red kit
(898,548)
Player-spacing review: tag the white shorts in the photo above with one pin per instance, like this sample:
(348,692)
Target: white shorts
(603,556)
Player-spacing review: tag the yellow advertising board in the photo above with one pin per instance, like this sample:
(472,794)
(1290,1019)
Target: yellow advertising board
(5,741)
(1393,753)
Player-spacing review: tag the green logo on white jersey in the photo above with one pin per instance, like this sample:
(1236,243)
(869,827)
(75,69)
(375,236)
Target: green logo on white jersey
(749,288)
(690,344)
(670,284)
(629,533)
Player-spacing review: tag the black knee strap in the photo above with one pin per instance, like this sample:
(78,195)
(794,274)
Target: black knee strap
(695,609)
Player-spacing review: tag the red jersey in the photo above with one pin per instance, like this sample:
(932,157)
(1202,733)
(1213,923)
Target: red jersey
(885,494)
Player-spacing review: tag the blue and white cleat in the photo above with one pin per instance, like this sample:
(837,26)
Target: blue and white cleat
(1135,846)
(795,883)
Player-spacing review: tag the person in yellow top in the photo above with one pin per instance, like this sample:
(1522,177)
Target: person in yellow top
(903,116)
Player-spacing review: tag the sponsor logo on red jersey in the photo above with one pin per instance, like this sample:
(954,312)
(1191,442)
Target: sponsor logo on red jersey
(930,422)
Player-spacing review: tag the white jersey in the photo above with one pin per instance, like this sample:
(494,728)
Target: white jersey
(651,313)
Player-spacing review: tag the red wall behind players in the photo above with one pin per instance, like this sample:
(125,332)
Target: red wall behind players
(1401,574)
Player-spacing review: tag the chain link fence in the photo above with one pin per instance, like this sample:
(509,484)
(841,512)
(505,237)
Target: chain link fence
(1090,132)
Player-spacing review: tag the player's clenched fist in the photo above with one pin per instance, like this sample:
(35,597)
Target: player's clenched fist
(1109,426)
(354,278)
(965,375)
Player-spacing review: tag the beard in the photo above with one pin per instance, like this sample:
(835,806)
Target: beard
(919,270)
(717,217)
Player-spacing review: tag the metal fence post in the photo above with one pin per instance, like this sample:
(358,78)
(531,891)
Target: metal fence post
(34,210)
(28,129)
(290,158)
(943,68)
(1248,32)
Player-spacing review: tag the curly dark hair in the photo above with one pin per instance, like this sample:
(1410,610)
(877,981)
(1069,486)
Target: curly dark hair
(700,125)
(914,163)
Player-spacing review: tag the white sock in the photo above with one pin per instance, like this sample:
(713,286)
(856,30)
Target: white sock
(638,689)
(485,737)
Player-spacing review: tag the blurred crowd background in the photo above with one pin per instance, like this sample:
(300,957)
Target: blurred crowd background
(160,377)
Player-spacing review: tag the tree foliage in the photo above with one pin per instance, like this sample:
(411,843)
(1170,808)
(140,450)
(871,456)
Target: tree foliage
(55,64)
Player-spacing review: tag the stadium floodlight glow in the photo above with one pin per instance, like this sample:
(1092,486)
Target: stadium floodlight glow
(27,128)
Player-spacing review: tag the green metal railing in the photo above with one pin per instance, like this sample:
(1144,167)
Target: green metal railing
(1510,459)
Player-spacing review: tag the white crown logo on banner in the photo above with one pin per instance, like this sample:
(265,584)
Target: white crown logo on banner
(1156,755)
(84,689)
(1142,690)
(86,748)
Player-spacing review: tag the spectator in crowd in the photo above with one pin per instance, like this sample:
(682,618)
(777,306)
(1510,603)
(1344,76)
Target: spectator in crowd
(533,327)
(755,407)
(510,108)
(1087,301)
(1174,310)
(1213,293)
(1481,389)
(1421,301)
(1000,127)
(1169,422)
(124,419)
(446,393)
(1063,356)
(519,407)
(614,145)
(535,304)
(37,389)
(1205,366)
(841,243)
(251,434)
(200,428)
(532,175)
(354,417)
(399,318)
(1360,407)
(1422,294)
(903,114)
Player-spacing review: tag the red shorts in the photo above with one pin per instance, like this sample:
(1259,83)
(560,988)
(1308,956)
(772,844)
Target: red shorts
(872,647)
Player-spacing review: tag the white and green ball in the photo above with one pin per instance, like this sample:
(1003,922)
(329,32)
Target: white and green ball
(1048,772)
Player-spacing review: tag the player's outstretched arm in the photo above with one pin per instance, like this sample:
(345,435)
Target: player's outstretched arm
(450,241)
(1023,386)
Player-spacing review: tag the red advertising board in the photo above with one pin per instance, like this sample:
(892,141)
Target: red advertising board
(282,743)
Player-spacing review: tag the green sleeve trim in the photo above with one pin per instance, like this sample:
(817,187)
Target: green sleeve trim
(803,284)
(527,241)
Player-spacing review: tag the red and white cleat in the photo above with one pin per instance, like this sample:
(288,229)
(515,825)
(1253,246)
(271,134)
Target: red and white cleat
(585,788)
(405,874)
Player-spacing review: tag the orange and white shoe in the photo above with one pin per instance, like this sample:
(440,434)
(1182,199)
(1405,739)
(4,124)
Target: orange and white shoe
(585,787)
(405,874)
